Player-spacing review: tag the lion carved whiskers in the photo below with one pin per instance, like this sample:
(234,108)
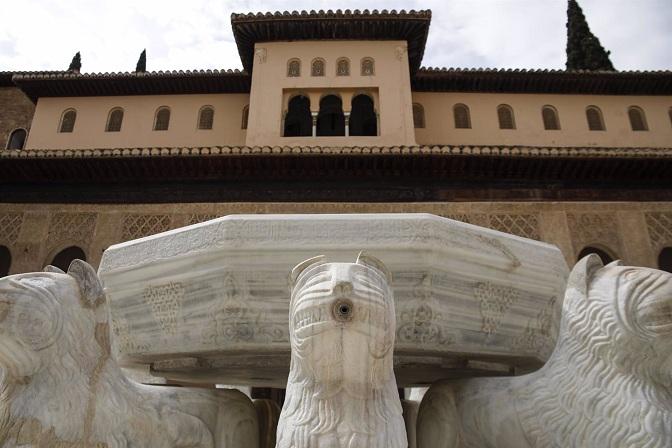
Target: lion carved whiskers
(606,383)
(62,388)
(341,390)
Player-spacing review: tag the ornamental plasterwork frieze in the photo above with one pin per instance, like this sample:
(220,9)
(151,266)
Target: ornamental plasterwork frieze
(137,226)
(10,227)
(588,229)
(659,225)
(75,228)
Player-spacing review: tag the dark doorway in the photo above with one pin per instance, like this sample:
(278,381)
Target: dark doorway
(63,259)
(331,120)
(5,261)
(665,259)
(298,122)
(363,119)
(605,257)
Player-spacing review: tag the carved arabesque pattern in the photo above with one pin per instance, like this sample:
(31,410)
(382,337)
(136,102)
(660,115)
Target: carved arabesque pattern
(166,303)
(526,225)
(594,228)
(10,227)
(660,228)
(139,226)
(73,227)
(495,301)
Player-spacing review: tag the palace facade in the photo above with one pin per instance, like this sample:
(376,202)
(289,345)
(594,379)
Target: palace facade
(333,113)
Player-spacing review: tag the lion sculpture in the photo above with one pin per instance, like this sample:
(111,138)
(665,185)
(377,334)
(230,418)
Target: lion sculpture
(608,382)
(341,391)
(61,388)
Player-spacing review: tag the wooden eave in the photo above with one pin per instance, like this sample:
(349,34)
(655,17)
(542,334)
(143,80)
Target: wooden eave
(411,26)
(543,81)
(370,174)
(66,84)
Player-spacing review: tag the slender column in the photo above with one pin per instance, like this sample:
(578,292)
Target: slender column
(347,123)
(314,114)
(377,123)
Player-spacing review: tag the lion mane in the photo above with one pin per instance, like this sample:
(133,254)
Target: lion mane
(60,386)
(607,383)
(341,390)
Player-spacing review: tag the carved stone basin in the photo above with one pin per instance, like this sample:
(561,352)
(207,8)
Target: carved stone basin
(209,302)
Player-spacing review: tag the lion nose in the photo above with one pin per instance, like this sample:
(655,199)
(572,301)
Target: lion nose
(342,289)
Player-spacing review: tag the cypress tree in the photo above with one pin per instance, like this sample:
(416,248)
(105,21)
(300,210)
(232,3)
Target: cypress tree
(584,51)
(76,63)
(141,66)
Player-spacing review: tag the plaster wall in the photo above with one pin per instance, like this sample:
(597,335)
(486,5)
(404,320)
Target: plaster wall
(440,123)
(270,85)
(635,232)
(137,127)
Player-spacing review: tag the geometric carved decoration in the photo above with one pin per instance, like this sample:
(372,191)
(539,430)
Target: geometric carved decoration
(660,228)
(200,217)
(10,227)
(140,226)
(594,228)
(526,226)
(71,227)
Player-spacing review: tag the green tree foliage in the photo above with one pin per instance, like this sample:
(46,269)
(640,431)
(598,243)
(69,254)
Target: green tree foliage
(141,66)
(76,63)
(584,51)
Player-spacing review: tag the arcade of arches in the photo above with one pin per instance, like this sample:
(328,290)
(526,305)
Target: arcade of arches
(331,119)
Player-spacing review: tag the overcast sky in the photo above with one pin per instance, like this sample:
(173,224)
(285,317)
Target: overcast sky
(196,34)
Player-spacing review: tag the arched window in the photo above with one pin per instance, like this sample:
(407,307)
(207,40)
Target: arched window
(363,120)
(604,256)
(330,119)
(162,119)
(505,116)
(114,120)
(17,139)
(294,68)
(317,67)
(368,67)
(594,117)
(206,116)
(298,121)
(63,259)
(418,116)
(665,259)
(637,119)
(550,117)
(343,67)
(246,116)
(5,261)
(68,121)
(461,115)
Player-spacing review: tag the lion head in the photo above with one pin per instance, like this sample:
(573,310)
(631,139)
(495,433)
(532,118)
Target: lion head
(38,311)
(623,316)
(341,383)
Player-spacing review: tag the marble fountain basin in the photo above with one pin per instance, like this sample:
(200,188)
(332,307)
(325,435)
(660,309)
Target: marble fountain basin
(208,303)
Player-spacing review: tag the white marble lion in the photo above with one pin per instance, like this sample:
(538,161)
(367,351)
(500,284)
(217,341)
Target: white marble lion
(607,384)
(61,388)
(341,391)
